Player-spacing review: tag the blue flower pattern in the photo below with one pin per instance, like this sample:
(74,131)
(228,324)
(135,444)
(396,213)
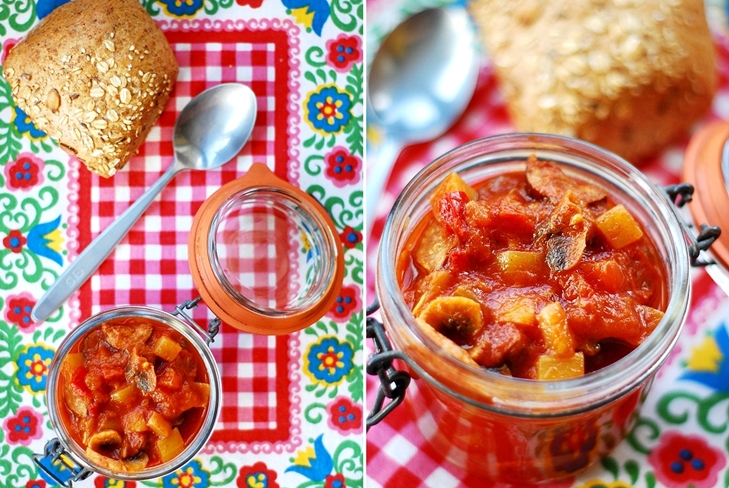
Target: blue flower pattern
(328,110)
(708,363)
(45,240)
(182,8)
(314,464)
(313,14)
(329,361)
(32,364)
(26,126)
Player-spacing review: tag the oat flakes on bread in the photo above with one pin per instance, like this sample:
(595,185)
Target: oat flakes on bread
(94,75)
(628,75)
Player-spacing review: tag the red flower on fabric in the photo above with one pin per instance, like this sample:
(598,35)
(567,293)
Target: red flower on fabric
(256,476)
(7,46)
(25,172)
(343,52)
(686,460)
(342,167)
(250,3)
(24,427)
(17,311)
(335,481)
(15,241)
(345,416)
(35,484)
(350,237)
(346,302)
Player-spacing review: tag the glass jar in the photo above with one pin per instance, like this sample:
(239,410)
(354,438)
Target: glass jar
(517,430)
(65,460)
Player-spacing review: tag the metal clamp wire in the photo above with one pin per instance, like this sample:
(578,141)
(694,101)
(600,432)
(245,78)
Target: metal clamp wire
(393,382)
(680,195)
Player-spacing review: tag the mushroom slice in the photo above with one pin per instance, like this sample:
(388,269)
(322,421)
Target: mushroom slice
(104,440)
(76,401)
(137,463)
(565,231)
(548,180)
(141,372)
(453,315)
(565,251)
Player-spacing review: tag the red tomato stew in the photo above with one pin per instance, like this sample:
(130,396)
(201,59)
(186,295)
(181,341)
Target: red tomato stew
(533,274)
(135,393)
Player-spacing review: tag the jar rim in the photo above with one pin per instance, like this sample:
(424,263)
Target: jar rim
(161,317)
(212,284)
(323,249)
(535,397)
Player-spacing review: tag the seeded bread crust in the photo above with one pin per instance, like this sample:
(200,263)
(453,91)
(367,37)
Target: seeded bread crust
(95,76)
(630,76)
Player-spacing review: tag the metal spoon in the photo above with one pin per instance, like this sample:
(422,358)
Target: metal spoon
(209,132)
(421,79)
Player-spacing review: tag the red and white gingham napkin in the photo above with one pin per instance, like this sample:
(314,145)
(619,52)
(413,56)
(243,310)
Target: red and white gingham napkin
(150,266)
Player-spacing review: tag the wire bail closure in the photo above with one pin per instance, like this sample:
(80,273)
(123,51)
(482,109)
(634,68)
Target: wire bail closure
(679,195)
(393,382)
(213,326)
(59,465)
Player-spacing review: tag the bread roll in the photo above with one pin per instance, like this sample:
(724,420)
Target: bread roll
(94,75)
(627,75)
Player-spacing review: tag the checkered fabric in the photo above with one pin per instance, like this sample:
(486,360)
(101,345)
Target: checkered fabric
(398,453)
(254,245)
(150,266)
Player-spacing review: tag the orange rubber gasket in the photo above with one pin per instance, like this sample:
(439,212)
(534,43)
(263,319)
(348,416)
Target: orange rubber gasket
(702,169)
(227,308)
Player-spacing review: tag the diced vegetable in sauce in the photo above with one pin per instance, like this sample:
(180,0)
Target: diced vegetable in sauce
(619,227)
(135,393)
(535,274)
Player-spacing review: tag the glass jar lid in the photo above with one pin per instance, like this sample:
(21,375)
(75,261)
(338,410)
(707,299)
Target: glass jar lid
(706,167)
(264,255)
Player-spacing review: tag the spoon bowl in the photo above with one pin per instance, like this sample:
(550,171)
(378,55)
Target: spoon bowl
(214,126)
(211,130)
(421,80)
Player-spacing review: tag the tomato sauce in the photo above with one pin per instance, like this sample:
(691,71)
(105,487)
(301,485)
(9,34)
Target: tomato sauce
(134,393)
(533,274)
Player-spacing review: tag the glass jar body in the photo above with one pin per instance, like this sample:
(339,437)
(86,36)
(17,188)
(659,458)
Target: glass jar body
(520,450)
(510,429)
(158,318)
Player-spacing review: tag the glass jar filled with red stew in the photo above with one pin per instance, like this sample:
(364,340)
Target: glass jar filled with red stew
(133,393)
(534,320)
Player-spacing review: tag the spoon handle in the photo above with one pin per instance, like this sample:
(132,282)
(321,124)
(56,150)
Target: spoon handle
(91,258)
(380,160)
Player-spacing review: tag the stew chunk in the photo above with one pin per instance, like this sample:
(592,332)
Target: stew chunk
(135,393)
(535,274)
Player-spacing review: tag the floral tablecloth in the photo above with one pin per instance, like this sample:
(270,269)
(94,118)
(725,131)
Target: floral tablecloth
(292,405)
(682,434)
